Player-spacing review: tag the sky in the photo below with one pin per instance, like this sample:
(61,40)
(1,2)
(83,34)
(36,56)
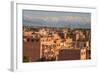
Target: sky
(56,19)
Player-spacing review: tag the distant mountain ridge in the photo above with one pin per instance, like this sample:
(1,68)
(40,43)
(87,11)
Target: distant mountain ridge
(57,24)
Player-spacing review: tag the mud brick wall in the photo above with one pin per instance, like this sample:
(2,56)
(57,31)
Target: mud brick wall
(69,54)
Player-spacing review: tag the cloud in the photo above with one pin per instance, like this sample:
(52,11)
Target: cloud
(80,20)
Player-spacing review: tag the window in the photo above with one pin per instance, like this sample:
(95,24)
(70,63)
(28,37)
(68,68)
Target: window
(28,40)
(32,40)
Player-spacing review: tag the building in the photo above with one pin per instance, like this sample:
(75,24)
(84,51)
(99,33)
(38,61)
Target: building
(50,44)
(69,54)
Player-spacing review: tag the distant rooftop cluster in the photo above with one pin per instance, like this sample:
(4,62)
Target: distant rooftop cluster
(50,43)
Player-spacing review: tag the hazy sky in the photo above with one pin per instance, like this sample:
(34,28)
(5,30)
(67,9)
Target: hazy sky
(56,19)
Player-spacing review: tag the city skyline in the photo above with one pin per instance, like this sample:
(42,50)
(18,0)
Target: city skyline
(56,36)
